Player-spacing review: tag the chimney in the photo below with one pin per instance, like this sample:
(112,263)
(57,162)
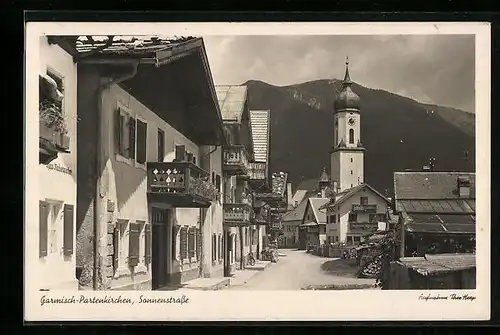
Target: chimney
(463,184)
(323,192)
(289,193)
(426,168)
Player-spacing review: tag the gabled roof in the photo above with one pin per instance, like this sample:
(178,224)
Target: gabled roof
(232,99)
(296,214)
(299,196)
(315,204)
(433,192)
(260,125)
(430,185)
(347,194)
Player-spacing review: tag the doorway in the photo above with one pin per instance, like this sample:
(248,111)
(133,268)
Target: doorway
(160,253)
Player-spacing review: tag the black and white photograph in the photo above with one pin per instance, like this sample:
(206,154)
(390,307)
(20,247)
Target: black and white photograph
(258,164)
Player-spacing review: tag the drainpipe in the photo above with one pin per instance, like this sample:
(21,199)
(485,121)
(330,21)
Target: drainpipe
(98,165)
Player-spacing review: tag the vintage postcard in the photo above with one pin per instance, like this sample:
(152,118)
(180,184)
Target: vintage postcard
(257,171)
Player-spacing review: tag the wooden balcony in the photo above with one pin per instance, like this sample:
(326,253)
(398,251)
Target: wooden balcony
(357,208)
(180,184)
(239,214)
(363,227)
(236,161)
(257,171)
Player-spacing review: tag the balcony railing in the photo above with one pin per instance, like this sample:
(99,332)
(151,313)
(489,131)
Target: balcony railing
(363,227)
(257,171)
(180,184)
(358,208)
(237,214)
(236,160)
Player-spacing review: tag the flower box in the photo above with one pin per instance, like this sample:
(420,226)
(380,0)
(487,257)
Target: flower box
(53,140)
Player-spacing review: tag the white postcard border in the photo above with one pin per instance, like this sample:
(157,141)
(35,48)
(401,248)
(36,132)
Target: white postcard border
(369,305)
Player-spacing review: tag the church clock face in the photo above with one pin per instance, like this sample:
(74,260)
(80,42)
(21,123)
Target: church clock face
(352,121)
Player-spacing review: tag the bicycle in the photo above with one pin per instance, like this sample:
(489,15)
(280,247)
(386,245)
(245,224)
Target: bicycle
(251,259)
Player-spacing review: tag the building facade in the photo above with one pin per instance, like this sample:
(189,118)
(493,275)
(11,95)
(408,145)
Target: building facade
(149,167)
(57,168)
(238,153)
(354,214)
(437,212)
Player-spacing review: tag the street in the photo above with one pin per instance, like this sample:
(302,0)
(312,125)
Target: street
(295,271)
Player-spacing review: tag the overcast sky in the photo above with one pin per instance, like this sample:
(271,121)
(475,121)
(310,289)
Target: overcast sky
(435,69)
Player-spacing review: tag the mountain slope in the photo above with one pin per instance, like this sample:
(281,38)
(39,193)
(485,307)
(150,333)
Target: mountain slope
(398,133)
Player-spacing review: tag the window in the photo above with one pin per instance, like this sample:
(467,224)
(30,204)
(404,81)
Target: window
(142,133)
(353,217)
(357,239)
(124,133)
(333,219)
(336,238)
(372,218)
(381,217)
(351,171)
(351,136)
(363,201)
(161,145)
(338,218)
(51,226)
(134,244)
(351,159)
(351,185)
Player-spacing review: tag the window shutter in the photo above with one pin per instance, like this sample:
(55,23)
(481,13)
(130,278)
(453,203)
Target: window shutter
(147,243)
(133,244)
(221,238)
(43,217)
(191,242)
(118,131)
(198,243)
(180,153)
(142,132)
(131,137)
(116,248)
(68,230)
(175,231)
(184,243)
(214,246)
(218,182)
(161,145)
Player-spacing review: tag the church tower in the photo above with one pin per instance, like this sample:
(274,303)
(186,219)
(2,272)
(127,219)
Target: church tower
(347,156)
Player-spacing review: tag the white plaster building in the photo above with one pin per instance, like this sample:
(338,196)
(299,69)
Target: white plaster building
(56,170)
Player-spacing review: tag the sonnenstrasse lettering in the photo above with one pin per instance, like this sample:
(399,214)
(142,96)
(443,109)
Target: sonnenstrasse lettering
(104,300)
(169,300)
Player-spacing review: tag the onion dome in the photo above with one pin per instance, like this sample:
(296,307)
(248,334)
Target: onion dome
(347,99)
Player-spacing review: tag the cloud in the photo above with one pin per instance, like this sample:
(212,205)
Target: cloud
(429,68)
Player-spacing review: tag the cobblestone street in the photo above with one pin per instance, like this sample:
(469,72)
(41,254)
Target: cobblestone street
(295,271)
